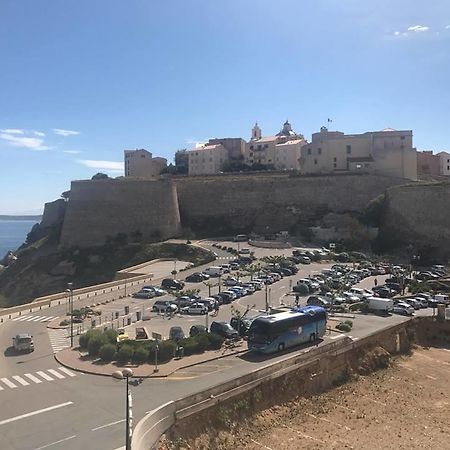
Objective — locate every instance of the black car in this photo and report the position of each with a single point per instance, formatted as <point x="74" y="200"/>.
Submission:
<point x="196" y="277"/>
<point x="226" y="298"/>
<point x="224" y="329"/>
<point x="169" y="283"/>
<point x="317" y="300"/>
<point x="197" y="329"/>
<point x="286" y="272"/>
<point x="241" y="325"/>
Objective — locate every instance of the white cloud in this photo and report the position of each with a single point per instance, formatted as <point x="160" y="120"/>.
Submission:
<point x="72" y="152"/>
<point x="447" y="27"/>
<point x="39" y="133"/>
<point x="32" y="143"/>
<point x="65" y="133"/>
<point x="418" y="28"/>
<point x="12" y="131"/>
<point x="114" y="166"/>
<point x="397" y="33"/>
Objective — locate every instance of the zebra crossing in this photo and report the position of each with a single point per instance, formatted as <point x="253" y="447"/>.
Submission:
<point x="29" y="318"/>
<point x="41" y="376"/>
<point x="59" y="339"/>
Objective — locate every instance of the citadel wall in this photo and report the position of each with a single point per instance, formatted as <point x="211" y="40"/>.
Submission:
<point x="100" y="208"/>
<point x="269" y="203"/>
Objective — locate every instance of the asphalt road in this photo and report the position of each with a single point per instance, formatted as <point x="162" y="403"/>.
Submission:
<point x="45" y="406"/>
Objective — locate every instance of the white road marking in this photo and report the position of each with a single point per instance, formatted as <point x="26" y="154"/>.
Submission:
<point x="1" y="388"/>
<point x="56" y="442"/>
<point x="44" y="376"/>
<point x="262" y="445"/>
<point x="34" y="413"/>
<point x="20" y="318"/>
<point x="33" y="378"/>
<point x="37" y="318"/>
<point x="108" y="425"/>
<point x="56" y="374"/>
<point x="304" y="435"/>
<point x="67" y="371"/>
<point x="21" y="380"/>
<point x="8" y="383"/>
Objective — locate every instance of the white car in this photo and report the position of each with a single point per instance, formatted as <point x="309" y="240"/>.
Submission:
<point x="231" y="281"/>
<point x="404" y="309"/>
<point x="195" y="308"/>
<point x="350" y="298"/>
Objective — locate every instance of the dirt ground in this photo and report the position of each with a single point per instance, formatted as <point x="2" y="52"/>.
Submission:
<point x="403" y="407"/>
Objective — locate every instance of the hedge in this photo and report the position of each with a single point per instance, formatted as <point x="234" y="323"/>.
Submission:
<point x="107" y="352"/>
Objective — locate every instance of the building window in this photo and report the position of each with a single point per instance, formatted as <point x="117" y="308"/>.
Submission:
<point x="315" y="161"/>
<point x="402" y="138"/>
<point x="334" y="165"/>
<point x="142" y="156"/>
<point x="259" y="147"/>
<point x="266" y="145"/>
<point x="319" y="151"/>
<point x="309" y="151"/>
<point x="251" y="147"/>
<point x="269" y="160"/>
<point x="334" y="159"/>
<point x="349" y="149"/>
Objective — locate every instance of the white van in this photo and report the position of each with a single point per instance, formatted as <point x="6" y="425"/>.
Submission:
<point x="214" y="271"/>
<point x="442" y="298"/>
<point x="381" y="305"/>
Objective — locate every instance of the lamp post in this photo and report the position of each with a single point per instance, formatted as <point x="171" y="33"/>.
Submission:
<point x="70" y="292"/>
<point x="267" y="299"/>
<point x="120" y="375"/>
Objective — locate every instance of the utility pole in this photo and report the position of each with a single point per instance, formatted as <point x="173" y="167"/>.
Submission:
<point x="267" y="299"/>
<point x="70" y="292"/>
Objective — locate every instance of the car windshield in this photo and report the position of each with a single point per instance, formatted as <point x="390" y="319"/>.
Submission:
<point x="24" y="340"/>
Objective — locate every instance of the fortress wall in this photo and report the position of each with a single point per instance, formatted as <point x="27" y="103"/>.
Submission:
<point x="53" y="213"/>
<point x="419" y="215"/>
<point x="101" y="208"/>
<point x="269" y="203"/>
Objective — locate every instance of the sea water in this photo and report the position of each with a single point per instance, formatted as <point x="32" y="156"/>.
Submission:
<point x="13" y="233"/>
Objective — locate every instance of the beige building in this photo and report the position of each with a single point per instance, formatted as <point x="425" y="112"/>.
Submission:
<point x="386" y="152"/>
<point x="281" y="151"/>
<point x="207" y="159"/>
<point x="444" y="163"/>
<point x="140" y="163"/>
<point x="428" y="163"/>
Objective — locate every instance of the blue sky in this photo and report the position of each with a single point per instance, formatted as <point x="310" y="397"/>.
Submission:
<point x="82" y="80"/>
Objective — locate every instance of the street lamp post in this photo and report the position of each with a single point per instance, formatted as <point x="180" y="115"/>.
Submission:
<point x="267" y="299"/>
<point x="120" y="375"/>
<point x="70" y="292"/>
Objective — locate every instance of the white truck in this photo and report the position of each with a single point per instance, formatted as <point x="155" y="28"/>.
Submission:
<point x="380" y="305"/>
<point x="214" y="271"/>
<point x="23" y="342"/>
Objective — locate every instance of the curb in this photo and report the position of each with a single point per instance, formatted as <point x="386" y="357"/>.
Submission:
<point x="153" y="375"/>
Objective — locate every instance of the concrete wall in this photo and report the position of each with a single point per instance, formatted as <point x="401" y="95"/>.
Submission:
<point x="101" y="208"/>
<point x="419" y="215"/>
<point x="271" y="203"/>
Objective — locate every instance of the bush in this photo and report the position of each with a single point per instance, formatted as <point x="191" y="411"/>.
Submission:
<point x="124" y="354"/>
<point x="107" y="352"/>
<point x="84" y="338"/>
<point x="301" y="289"/>
<point x="349" y="323"/>
<point x="190" y="346"/>
<point x="166" y="351"/>
<point x="140" y="355"/>
<point x="343" y="327"/>
<point x="215" y="341"/>
<point x="64" y="323"/>
<point x="111" y="335"/>
<point x="94" y="344"/>
<point x="202" y="342"/>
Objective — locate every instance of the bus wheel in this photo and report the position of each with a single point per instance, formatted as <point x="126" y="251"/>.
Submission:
<point x="281" y="347"/>
<point x="312" y="337"/>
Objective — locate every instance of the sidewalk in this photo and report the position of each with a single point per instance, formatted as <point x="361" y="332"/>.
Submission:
<point x="81" y="362"/>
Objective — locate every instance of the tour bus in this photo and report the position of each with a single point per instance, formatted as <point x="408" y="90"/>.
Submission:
<point x="268" y="334"/>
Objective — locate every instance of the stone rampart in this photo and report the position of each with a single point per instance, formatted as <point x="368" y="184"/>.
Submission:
<point x="268" y="203"/>
<point x="98" y="209"/>
<point x="53" y="213"/>
<point x="419" y="216"/>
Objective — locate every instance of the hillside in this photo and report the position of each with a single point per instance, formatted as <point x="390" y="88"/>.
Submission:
<point x="42" y="269"/>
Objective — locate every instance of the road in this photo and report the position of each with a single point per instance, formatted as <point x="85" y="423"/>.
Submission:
<point x="49" y="407"/>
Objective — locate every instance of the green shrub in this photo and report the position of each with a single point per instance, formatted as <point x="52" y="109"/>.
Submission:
<point x="301" y="289"/>
<point x="215" y="341"/>
<point x="140" y="355"/>
<point x="64" y="323"/>
<point x="349" y="323"/>
<point x="343" y="327"/>
<point x="107" y="352"/>
<point x="111" y="335"/>
<point x="166" y="350"/>
<point x="84" y="338"/>
<point x="125" y="354"/>
<point x="94" y="344"/>
<point x="202" y="342"/>
<point x="190" y="346"/>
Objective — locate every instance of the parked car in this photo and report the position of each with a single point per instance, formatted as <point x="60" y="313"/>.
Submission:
<point x="403" y="308"/>
<point x="195" y="308"/>
<point x="241" y="325"/>
<point x="144" y="293"/>
<point x="209" y="302"/>
<point x="317" y="300"/>
<point x="231" y="281"/>
<point x="171" y="284"/>
<point x="197" y="329"/>
<point x="176" y="334"/>
<point x="214" y="271"/>
<point x="156" y="290"/>
<point x="164" y="306"/>
<point x="224" y="329"/>
<point x="183" y="301"/>
<point x="416" y="304"/>
<point x="196" y="277"/>
<point x="226" y="297"/>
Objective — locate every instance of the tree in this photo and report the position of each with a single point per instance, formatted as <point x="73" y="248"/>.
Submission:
<point x="100" y="176"/>
<point x="65" y="195"/>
